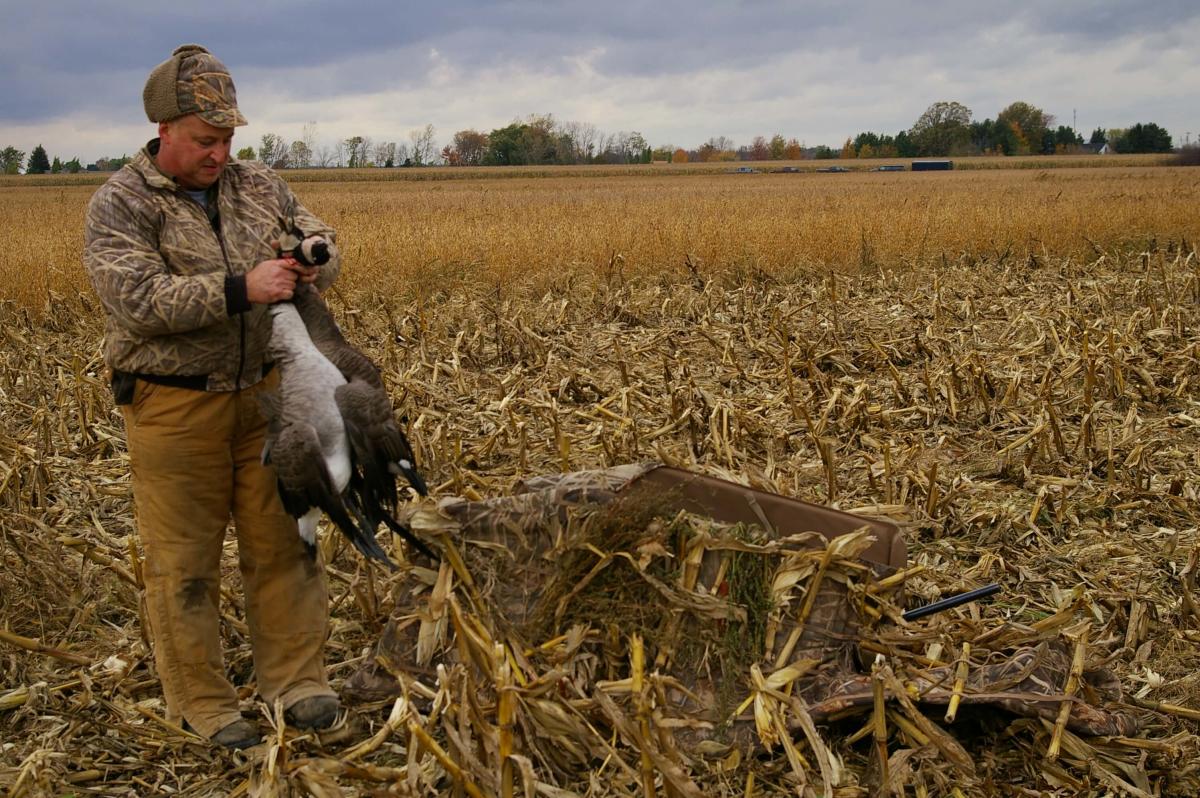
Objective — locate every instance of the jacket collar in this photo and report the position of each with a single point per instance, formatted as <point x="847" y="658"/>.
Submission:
<point x="143" y="164"/>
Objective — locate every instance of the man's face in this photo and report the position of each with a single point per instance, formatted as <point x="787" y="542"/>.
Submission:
<point x="193" y="151"/>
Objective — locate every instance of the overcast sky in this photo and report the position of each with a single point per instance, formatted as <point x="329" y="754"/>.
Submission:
<point x="71" y="71"/>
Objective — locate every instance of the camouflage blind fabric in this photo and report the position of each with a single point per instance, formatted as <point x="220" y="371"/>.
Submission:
<point x="514" y="548"/>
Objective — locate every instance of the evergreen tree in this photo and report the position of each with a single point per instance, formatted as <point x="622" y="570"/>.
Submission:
<point x="39" y="164"/>
<point x="1099" y="136"/>
<point x="905" y="146"/>
<point x="56" y="167"/>
<point x="1147" y="137"/>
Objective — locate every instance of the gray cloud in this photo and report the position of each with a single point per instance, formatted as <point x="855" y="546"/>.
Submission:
<point x="818" y="70"/>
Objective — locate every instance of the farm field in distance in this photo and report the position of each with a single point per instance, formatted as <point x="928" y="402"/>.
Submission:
<point x="1003" y="361"/>
<point x="404" y="236"/>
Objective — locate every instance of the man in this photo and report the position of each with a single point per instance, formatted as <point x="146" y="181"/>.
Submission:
<point x="181" y="246"/>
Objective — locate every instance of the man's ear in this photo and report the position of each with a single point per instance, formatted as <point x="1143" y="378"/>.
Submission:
<point x="164" y="129"/>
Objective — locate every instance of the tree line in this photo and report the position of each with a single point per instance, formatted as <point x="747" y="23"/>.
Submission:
<point x="946" y="128"/>
<point x="12" y="161"/>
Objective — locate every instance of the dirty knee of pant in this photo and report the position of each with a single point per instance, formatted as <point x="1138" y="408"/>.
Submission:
<point x="194" y="594"/>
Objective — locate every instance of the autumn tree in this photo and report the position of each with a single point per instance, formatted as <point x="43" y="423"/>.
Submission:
<point x="717" y="148"/>
<point x="1028" y="124"/>
<point x="469" y="147"/>
<point x="534" y="141"/>
<point x="300" y="154"/>
<point x="539" y="139"/>
<point x="679" y="156"/>
<point x="759" y="149"/>
<point x="776" y="148"/>
<point x="942" y="129"/>
<point x="793" y="150"/>
<point x="848" y="150"/>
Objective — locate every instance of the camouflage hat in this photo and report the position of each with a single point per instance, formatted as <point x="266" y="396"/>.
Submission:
<point x="192" y="81"/>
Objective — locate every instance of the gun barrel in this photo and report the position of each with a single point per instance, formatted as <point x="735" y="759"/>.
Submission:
<point x="951" y="601"/>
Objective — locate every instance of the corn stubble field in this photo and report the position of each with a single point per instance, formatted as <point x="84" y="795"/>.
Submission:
<point x="1002" y="362"/>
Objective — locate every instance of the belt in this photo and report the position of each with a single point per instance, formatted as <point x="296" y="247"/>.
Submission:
<point x="198" y="382"/>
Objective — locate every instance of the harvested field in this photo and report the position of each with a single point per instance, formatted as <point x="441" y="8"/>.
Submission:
<point x="1018" y="392"/>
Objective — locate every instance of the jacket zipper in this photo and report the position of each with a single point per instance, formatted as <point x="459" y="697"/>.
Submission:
<point x="237" y="382"/>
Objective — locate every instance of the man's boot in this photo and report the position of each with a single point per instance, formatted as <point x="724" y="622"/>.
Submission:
<point x="315" y="713"/>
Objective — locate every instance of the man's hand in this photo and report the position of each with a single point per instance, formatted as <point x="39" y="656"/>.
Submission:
<point x="275" y="280"/>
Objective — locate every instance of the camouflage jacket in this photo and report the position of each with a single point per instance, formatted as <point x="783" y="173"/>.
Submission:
<point x="174" y="288"/>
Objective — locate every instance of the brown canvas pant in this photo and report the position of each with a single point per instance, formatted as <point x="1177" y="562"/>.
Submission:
<point x="195" y="457"/>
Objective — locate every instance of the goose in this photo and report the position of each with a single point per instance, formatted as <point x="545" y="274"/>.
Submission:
<point x="378" y="443"/>
<point x="307" y="442"/>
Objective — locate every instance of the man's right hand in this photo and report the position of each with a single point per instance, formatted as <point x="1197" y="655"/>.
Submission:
<point x="275" y="280"/>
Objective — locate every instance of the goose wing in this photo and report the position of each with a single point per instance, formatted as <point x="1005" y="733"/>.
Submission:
<point x="379" y="443"/>
<point x="376" y="443"/>
<point x="304" y="482"/>
<point x="366" y="428"/>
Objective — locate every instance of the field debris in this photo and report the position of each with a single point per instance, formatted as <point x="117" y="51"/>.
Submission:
<point x="1030" y="422"/>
